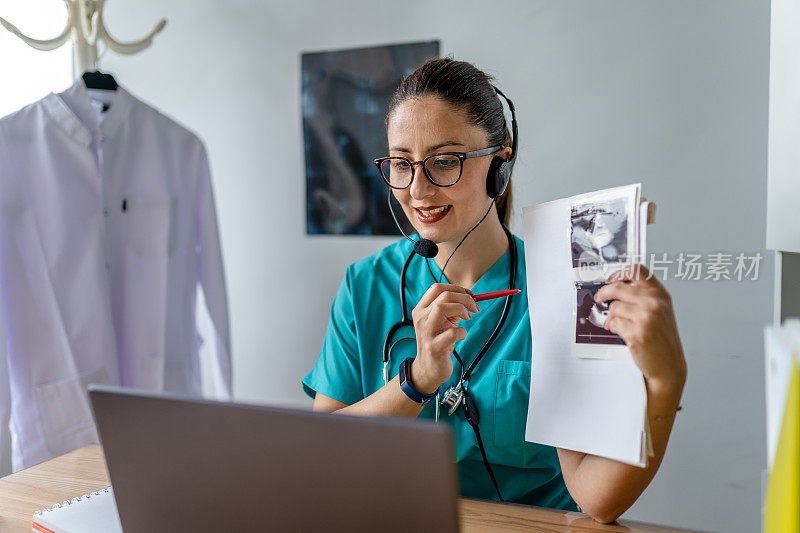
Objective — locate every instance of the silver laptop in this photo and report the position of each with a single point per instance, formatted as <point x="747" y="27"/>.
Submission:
<point x="179" y="464"/>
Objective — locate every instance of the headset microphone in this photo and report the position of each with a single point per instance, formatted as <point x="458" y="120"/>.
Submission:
<point x="424" y="247"/>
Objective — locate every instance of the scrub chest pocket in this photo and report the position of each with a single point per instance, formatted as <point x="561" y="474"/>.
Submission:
<point x="511" y="404"/>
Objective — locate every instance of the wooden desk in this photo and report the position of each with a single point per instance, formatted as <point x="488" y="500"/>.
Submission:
<point x="84" y="470"/>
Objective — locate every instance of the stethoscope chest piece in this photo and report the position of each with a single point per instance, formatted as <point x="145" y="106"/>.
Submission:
<point x="453" y="397"/>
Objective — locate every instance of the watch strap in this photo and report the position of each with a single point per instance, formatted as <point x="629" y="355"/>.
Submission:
<point x="408" y="387"/>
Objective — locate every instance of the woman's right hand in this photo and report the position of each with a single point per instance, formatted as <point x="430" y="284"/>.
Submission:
<point x="436" y="319"/>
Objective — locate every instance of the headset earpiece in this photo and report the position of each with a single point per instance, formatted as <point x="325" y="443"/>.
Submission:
<point x="500" y="170"/>
<point x="498" y="177"/>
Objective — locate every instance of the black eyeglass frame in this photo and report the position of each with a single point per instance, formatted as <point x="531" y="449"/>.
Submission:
<point x="462" y="156"/>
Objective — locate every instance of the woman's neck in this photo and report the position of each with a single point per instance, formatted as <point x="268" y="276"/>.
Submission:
<point x="476" y="255"/>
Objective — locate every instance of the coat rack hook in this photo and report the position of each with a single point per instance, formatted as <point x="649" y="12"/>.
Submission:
<point x="45" y="45"/>
<point x="86" y="27"/>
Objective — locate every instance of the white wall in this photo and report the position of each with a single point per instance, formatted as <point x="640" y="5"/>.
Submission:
<point x="27" y="75"/>
<point x="673" y="94"/>
<point x="783" y="185"/>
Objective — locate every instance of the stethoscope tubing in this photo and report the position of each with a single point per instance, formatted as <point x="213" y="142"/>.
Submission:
<point x="406" y="320"/>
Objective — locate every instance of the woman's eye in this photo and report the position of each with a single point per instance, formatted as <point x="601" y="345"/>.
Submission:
<point x="400" y="165"/>
<point x="446" y="162"/>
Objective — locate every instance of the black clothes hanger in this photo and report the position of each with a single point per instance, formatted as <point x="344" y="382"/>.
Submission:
<point x="99" y="80"/>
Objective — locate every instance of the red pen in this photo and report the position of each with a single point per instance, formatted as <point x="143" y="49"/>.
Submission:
<point x="496" y="294"/>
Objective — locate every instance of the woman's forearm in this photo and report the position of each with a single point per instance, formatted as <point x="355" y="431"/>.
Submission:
<point x="389" y="400"/>
<point x="605" y="488"/>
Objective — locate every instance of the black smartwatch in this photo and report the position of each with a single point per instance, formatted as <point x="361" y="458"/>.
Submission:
<point x="408" y="388"/>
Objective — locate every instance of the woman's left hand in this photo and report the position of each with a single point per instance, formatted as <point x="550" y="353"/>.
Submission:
<point x="641" y="313"/>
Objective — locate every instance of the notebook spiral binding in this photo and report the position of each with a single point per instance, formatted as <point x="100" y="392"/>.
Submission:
<point x="66" y="503"/>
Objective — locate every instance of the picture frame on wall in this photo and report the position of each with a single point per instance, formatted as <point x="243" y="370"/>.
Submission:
<point x="345" y="98"/>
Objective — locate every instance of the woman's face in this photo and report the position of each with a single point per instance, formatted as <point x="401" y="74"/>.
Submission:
<point x="419" y="127"/>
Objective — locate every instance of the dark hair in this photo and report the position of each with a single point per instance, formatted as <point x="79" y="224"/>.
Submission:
<point x="466" y="87"/>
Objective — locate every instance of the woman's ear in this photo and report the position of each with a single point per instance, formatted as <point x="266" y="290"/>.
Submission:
<point x="505" y="153"/>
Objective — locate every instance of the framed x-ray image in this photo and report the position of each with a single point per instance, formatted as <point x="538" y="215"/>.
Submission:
<point x="345" y="98"/>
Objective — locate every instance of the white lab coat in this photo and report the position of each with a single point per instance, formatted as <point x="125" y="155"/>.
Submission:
<point x="106" y="229"/>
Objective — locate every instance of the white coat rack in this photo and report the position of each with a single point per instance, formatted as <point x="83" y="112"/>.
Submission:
<point x="86" y="28"/>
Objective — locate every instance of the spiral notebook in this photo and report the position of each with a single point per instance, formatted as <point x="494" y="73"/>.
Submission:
<point x="91" y="513"/>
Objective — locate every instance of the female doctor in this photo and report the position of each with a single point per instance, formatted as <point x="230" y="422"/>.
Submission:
<point x="447" y="137"/>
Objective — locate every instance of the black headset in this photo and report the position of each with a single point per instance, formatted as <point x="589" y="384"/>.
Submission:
<point x="500" y="170"/>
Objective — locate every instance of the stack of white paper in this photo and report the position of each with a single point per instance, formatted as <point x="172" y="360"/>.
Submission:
<point x="587" y="394"/>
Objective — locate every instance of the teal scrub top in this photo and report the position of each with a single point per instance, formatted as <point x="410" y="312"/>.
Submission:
<point x="350" y="368"/>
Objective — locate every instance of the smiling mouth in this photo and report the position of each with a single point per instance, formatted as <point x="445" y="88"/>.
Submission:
<point x="429" y="215"/>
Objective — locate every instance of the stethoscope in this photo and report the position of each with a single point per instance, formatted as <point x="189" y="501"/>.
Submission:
<point x="454" y="396"/>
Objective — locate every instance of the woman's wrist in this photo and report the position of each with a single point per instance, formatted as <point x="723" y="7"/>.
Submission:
<point x="664" y="396"/>
<point x="420" y="379"/>
<point x="667" y="386"/>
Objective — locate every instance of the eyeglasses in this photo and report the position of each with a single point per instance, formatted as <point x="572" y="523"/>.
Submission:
<point x="443" y="170"/>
